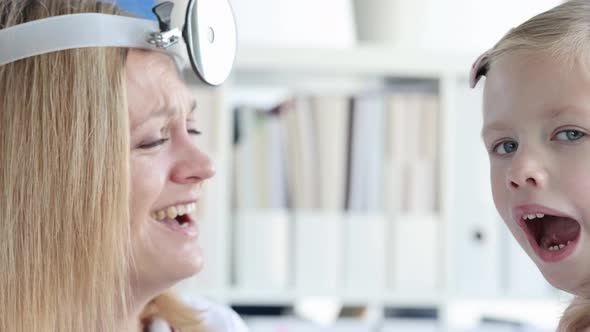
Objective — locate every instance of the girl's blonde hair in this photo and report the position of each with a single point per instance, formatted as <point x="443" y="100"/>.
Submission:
<point x="64" y="186"/>
<point x="564" y="33"/>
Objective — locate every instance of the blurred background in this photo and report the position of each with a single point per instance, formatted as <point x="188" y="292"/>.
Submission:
<point x="352" y="189"/>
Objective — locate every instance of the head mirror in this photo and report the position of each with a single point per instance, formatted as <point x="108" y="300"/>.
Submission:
<point x="210" y="35"/>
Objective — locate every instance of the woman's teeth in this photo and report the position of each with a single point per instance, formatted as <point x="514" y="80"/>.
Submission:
<point x="172" y="212"/>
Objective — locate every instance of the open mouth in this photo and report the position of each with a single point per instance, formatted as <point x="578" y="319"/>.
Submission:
<point x="553" y="237"/>
<point x="178" y="222"/>
<point x="183" y="220"/>
<point x="177" y="217"/>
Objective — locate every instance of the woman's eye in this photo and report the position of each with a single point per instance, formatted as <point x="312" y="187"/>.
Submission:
<point x="153" y="144"/>
<point x="505" y="147"/>
<point x="194" y="132"/>
<point x="569" y="135"/>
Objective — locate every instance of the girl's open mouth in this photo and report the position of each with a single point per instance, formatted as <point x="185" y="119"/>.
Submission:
<point x="553" y="237"/>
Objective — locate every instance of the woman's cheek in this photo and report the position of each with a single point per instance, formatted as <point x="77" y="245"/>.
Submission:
<point x="147" y="184"/>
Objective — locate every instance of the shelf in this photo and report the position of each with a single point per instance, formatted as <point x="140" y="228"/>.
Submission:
<point x="365" y="60"/>
<point x="347" y="298"/>
<point x="243" y="257"/>
<point x="387" y="299"/>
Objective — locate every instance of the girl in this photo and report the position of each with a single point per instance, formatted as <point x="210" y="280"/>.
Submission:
<point x="536" y="129"/>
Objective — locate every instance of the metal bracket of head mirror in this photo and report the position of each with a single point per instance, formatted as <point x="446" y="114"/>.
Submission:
<point x="167" y="36"/>
<point x="209" y="35"/>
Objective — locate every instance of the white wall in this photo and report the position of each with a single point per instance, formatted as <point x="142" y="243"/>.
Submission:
<point x="462" y="25"/>
<point x="473" y="24"/>
<point x="318" y="23"/>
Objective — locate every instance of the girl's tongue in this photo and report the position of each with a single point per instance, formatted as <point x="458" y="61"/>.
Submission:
<point x="551" y="231"/>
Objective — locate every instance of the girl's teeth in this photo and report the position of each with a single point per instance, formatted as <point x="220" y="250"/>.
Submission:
<point x="533" y="216"/>
<point x="558" y="247"/>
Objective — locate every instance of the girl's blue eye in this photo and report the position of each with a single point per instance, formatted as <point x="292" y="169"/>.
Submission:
<point x="505" y="147"/>
<point x="569" y="135"/>
<point x="153" y="144"/>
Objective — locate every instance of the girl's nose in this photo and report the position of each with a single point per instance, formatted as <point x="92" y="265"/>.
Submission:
<point x="526" y="170"/>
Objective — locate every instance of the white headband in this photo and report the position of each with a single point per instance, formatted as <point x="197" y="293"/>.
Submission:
<point x="91" y="30"/>
<point x="212" y="59"/>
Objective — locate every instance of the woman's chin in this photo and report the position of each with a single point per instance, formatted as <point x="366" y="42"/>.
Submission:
<point x="175" y="251"/>
<point x="186" y="263"/>
<point x="192" y="267"/>
<point x="164" y="255"/>
<point x="164" y="275"/>
<point x="161" y="267"/>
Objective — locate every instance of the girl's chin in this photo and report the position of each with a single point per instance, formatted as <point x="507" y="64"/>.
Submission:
<point x="577" y="289"/>
<point x="572" y="281"/>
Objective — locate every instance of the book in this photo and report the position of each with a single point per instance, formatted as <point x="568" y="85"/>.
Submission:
<point x="330" y="124"/>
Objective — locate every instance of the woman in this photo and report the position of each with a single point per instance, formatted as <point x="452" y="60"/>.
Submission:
<point x="99" y="176"/>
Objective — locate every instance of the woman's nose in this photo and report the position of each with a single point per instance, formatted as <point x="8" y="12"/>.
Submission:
<point x="192" y="165"/>
<point x="526" y="170"/>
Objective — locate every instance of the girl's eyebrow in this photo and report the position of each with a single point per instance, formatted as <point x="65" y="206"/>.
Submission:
<point x="494" y="126"/>
<point x="555" y="113"/>
<point x="552" y="114"/>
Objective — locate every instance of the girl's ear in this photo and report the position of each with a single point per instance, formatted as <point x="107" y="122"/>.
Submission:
<point x="479" y="68"/>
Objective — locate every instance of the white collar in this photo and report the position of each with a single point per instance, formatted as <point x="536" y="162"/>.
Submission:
<point x="159" y="325"/>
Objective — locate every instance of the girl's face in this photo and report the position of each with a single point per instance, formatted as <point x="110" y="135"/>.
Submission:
<point x="536" y="129"/>
<point x="167" y="172"/>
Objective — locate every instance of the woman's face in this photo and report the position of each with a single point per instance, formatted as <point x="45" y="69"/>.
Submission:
<point x="167" y="172"/>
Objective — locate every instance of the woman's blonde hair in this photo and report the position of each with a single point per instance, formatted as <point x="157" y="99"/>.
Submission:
<point x="64" y="186"/>
<point x="564" y="33"/>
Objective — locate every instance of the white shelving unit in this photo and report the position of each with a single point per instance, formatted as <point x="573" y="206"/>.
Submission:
<point x="282" y="71"/>
<point x="365" y="60"/>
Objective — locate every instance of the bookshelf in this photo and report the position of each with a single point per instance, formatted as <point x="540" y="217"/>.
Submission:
<point x="369" y="60"/>
<point x="238" y="245"/>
